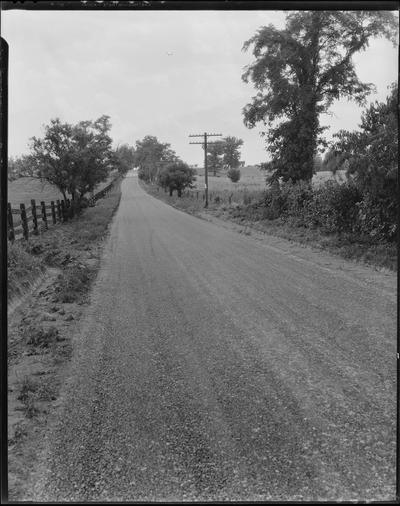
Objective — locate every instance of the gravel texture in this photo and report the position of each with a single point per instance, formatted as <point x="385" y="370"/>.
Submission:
<point x="211" y="366"/>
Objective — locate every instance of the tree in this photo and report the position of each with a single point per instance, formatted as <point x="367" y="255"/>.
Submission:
<point x="298" y="73"/>
<point x="231" y="152"/>
<point x="372" y="152"/>
<point x="176" y="176"/>
<point x="151" y="156"/>
<point x="18" y="167"/>
<point x="74" y="158"/>
<point x="215" y="153"/>
<point x="233" y="174"/>
<point x="124" y="158"/>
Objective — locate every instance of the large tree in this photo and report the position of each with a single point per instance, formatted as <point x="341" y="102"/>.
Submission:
<point x="177" y="176"/>
<point x="74" y="158"/>
<point x="151" y="156"/>
<point x="299" y="71"/>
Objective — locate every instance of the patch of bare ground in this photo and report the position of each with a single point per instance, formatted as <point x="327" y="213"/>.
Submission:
<point x="49" y="289"/>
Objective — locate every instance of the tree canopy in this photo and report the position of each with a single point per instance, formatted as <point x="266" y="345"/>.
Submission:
<point x="124" y="158"/>
<point x="371" y="153"/>
<point x="176" y="176"/>
<point x="215" y="156"/>
<point x="232" y="151"/>
<point x="74" y="158"/>
<point x="224" y="153"/>
<point x="298" y="72"/>
<point x="151" y="156"/>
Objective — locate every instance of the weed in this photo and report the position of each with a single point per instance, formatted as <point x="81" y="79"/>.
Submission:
<point x="20" y="432"/>
<point x="40" y="337"/>
<point x="74" y="284"/>
<point x="28" y="395"/>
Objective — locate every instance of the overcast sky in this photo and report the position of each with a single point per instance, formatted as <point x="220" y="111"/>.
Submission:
<point x="81" y="65"/>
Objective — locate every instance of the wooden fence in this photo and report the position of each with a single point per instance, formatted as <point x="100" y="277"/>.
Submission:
<point x="36" y="218"/>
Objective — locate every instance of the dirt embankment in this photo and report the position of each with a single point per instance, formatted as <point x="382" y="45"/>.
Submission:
<point x="49" y="288"/>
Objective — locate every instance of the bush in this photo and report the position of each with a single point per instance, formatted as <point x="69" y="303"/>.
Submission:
<point x="377" y="217"/>
<point x="233" y="174"/>
<point x="333" y="207"/>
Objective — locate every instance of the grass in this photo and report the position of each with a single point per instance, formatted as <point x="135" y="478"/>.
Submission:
<point x="22" y="268"/>
<point x="41" y="337"/>
<point x="73" y="283"/>
<point x="56" y="247"/>
<point x="28" y="393"/>
<point x="24" y="189"/>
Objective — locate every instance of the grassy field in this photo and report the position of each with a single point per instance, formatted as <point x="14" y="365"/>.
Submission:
<point x="252" y="179"/>
<point x="22" y="190"/>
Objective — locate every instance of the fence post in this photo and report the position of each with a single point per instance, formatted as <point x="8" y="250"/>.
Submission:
<point x="34" y="216"/>
<point x="63" y="211"/>
<point x="44" y="215"/>
<point x="59" y="210"/>
<point x="53" y="212"/>
<point x="11" y="234"/>
<point x="24" y="221"/>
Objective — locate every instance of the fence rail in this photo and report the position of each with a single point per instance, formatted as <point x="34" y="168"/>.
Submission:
<point x="42" y="214"/>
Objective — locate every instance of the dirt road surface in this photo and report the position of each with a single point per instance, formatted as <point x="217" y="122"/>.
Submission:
<point x="212" y="366"/>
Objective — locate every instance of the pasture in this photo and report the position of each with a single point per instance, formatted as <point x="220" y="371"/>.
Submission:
<point x="22" y="190"/>
<point x="253" y="178"/>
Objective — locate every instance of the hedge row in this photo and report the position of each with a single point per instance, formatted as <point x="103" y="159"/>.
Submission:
<point x="333" y="207"/>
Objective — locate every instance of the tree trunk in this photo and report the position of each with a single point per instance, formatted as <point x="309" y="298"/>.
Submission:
<point x="170" y="192"/>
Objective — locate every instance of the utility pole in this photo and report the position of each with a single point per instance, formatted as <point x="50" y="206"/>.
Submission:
<point x="205" y="144"/>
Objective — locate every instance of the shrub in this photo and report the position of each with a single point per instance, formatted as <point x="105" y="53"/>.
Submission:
<point x="333" y="207"/>
<point x="377" y="217"/>
<point x="233" y="174"/>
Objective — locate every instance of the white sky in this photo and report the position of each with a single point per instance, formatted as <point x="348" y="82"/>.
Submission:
<point x="78" y="65"/>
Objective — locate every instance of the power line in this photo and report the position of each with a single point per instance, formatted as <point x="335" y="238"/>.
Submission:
<point x="205" y="144"/>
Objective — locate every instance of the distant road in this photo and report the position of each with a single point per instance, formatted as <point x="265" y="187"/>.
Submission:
<point x="214" y="367"/>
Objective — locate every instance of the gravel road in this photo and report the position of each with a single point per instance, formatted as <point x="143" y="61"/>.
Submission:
<point x="212" y="366"/>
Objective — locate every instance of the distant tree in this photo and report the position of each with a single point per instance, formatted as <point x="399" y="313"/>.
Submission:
<point x="18" y="167"/>
<point x="176" y="176"/>
<point x="299" y="71"/>
<point x="74" y="158"/>
<point x="231" y="152"/>
<point x="124" y="158"/>
<point x="215" y="154"/>
<point x="151" y="156"/>
<point x="233" y="174"/>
